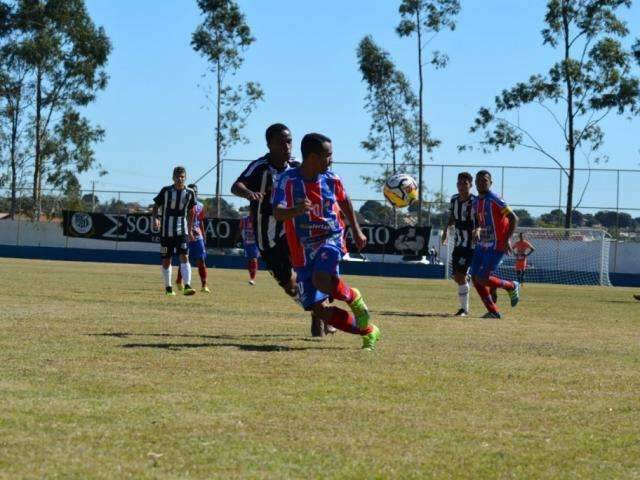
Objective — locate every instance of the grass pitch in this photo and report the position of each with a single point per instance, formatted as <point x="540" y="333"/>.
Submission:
<point x="102" y="376"/>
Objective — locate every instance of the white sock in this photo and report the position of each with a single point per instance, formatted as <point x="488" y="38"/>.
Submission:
<point x="463" y="296"/>
<point x="185" y="269"/>
<point x="166" y="275"/>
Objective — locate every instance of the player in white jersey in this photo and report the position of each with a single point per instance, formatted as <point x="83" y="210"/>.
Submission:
<point x="461" y="216"/>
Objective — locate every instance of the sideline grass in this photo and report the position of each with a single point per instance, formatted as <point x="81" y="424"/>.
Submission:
<point x="104" y="377"/>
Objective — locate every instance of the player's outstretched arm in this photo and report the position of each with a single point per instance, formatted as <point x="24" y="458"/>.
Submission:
<point x="239" y="189"/>
<point x="347" y="208"/>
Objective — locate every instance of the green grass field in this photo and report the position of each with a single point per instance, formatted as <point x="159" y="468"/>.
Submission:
<point x="102" y="376"/>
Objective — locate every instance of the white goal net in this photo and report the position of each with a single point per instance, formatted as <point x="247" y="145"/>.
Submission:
<point x="576" y="256"/>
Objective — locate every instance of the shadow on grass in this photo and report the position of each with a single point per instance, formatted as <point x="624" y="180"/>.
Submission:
<point x="622" y="301"/>
<point x="386" y="313"/>
<point x="241" y="346"/>
<point x="285" y="338"/>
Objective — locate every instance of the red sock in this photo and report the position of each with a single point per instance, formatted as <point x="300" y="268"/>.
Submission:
<point x="341" y="291"/>
<point x="343" y="320"/>
<point x="496" y="282"/>
<point x="253" y="268"/>
<point x="179" y="278"/>
<point x="202" y="271"/>
<point x="485" y="296"/>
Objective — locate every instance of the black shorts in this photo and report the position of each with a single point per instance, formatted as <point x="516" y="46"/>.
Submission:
<point x="461" y="259"/>
<point x="277" y="261"/>
<point x="168" y="245"/>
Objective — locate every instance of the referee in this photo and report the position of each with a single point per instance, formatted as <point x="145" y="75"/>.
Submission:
<point x="175" y="224"/>
<point x="256" y="184"/>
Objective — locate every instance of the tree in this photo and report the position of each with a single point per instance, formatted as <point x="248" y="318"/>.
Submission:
<point x="66" y="55"/>
<point x="16" y="92"/>
<point x="227" y="210"/>
<point x="424" y="17"/>
<point x="613" y="220"/>
<point x="524" y="218"/>
<point x="392" y="105"/>
<point x="376" y="212"/>
<point x="591" y="79"/>
<point x="554" y="218"/>
<point x="221" y="38"/>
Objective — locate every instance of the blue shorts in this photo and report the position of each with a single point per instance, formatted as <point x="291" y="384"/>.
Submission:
<point x="485" y="262"/>
<point x="251" y="251"/>
<point x="197" y="250"/>
<point x="326" y="259"/>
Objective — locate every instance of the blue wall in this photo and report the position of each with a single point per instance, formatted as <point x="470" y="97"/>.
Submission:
<point x="406" y="270"/>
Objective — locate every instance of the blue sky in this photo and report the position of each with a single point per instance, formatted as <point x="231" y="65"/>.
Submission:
<point x="156" y="113"/>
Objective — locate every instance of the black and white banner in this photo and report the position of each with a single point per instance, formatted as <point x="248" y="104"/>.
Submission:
<point x="225" y="232"/>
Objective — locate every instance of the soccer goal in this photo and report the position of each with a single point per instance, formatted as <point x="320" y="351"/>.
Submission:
<point x="576" y="256"/>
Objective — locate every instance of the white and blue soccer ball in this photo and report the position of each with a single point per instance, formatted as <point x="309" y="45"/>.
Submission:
<point x="401" y="190"/>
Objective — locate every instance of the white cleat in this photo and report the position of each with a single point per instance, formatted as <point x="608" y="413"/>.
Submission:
<point x="251" y="282"/>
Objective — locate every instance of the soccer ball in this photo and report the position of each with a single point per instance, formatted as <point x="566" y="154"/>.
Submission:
<point x="401" y="190"/>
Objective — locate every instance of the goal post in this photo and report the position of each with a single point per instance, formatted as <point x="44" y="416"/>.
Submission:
<point x="576" y="256"/>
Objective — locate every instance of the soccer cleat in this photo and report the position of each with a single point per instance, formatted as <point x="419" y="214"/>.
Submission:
<point x="205" y="289"/>
<point x="461" y="313"/>
<point x="492" y="315"/>
<point x="637" y="297"/>
<point x="514" y="294"/>
<point x="188" y="290"/>
<point x="180" y="286"/>
<point x="329" y="329"/>
<point x="251" y="282"/>
<point x="359" y="309"/>
<point x="168" y="291"/>
<point x="370" y="339"/>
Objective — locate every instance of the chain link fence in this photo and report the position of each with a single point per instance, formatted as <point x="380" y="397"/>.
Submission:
<point x="607" y="198"/>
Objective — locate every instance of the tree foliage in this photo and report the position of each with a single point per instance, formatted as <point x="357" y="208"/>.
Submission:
<point x="54" y="53"/>
<point x="221" y="39"/>
<point x="392" y="106"/>
<point x="591" y="79"/>
<point x="426" y="17"/>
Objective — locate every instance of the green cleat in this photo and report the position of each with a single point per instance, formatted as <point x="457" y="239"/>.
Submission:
<point x="180" y="286"/>
<point x="370" y="339"/>
<point x="188" y="290"/>
<point x="168" y="291"/>
<point x="514" y="294"/>
<point x="205" y="289"/>
<point x="359" y="309"/>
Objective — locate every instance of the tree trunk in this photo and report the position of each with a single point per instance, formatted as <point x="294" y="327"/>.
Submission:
<point x="420" y="124"/>
<point x="37" y="168"/>
<point x="15" y="117"/>
<point x="571" y="143"/>
<point x="218" y="140"/>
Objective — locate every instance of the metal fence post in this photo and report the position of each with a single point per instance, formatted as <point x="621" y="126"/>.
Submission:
<point x="617" y="238"/>
<point x="502" y="184"/>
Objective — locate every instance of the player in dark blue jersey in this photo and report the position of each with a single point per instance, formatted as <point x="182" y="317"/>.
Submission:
<point x="308" y="199"/>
